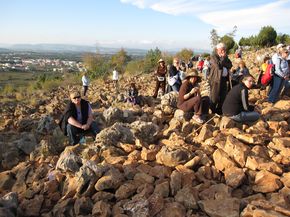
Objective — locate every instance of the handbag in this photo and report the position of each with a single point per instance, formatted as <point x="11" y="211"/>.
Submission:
<point x="160" y="78"/>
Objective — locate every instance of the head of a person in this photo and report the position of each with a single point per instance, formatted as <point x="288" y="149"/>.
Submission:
<point x="192" y="76"/>
<point x="242" y="64"/>
<point x="280" y="47"/>
<point x="161" y="62"/>
<point x="248" y="81"/>
<point x="84" y="73"/>
<point x="132" y="85"/>
<point x="284" y="53"/>
<point x="75" y="97"/>
<point x="175" y="61"/>
<point x="221" y="49"/>
<point x="266" y="59"/>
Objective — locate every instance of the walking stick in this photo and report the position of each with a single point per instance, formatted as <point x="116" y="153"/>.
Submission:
<point x="215" y="115"/>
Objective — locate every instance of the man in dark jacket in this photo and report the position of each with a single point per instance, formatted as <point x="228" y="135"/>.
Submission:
<point x="218" y="77"/>
<point x="77" y="119"/>
<point x="236" y="104"/>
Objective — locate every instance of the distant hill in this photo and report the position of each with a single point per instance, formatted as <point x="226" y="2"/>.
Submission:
<point x="70" y="48"/>
<point x="65" y="48"/>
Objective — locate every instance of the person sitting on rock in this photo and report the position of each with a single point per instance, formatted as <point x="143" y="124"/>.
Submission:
<point x="236" y="104"/>
<point x="77" y="119"/>
<point x="238" y="74"/>
<point x="190" y="99"/>
<point x="160" y="77"/>
<point x="133" y="95"/>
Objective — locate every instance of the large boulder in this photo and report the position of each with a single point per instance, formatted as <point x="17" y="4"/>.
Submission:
<point x="169" y="102"/>
<point x="113" y="115"/>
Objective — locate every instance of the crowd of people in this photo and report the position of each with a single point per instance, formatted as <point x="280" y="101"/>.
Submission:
<point x="228" y="95"/>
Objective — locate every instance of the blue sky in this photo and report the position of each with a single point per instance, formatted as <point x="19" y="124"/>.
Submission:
<point x="168" y="24"/>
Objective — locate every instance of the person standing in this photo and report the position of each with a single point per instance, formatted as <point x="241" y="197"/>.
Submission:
<point x="281" y="75"/>
<point x="236" y="105"/>
<point x="115" y="78"/>
<point x="218" y="77"/>
<point x="174" y="80"/>
<point x="86" y="82"/>
<point x="160" y="77"/>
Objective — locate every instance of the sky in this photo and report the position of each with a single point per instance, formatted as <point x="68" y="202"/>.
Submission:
<point x="145" y="24"/>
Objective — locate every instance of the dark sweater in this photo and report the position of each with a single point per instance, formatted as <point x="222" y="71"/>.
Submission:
<point x="71" y="111"/>
<point x="237" y="101"/>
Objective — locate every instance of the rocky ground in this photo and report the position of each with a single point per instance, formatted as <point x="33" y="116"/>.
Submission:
<point x="147" y="161"/>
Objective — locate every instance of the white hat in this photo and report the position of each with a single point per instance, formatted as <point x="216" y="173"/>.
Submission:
<point x="280" y="46"/>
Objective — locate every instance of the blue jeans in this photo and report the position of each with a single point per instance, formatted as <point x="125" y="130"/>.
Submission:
<point x="75" y="134"/>
<point x="245" y="117"/>
<point x="276" y="88"/>
<point x="175" y="87"/>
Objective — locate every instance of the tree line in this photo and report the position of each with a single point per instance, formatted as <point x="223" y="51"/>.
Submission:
<point x="267" y="37"/>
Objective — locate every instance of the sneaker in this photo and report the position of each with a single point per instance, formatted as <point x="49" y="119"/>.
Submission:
<point x="197" y="119"/>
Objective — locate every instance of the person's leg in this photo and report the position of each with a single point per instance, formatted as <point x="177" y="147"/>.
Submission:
<point x="249" y="116"/>
<point x="94" y="129"/>
<point x="197" y="105"/>
<point x="223" y="94"/>
<point x="175" y="88"/>
<point x="73" y="134"/>
<point x="286" y="88"/>
<point x="85" y="90"/>
<point x="276" y="88"/>
<point x="156" y="88"/>
<point x="163" y="84"/>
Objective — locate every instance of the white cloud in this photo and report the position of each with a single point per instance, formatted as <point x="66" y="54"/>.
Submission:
<point x="249" y="16"/>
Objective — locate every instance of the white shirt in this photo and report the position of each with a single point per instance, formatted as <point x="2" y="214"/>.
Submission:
<point x="115" y="75"/>
<point x="85" y="80"/>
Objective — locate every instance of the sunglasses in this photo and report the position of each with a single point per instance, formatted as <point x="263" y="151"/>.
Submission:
<point x="76" y="97"/>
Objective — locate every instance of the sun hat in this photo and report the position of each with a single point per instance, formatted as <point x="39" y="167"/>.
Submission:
<point x="161" y="60"/>
<point x="74" y="93"/>
<point x="192" y="73"/>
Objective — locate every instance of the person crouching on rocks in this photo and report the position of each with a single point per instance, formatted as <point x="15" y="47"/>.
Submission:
<point x="160" y="77"/>
<point x="133" y="95"/>
<point x="77" y="119"/>
<point x="236" y="105"/>
<point x="190" y="99"/>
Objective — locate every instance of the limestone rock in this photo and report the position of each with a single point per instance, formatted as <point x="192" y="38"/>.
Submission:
<point x="173" y="209"/>
<point x="172" y="157"/>
<point x="219" y="208"/>
<point x="187" y="196"/>
<point x="111" y="180"/>
<point x="101" y="209"/>
<point x="234" y="176"/>
<point x="68" y="161"/>
<point x="222" y="160"/>
<point x="266" y="182"/>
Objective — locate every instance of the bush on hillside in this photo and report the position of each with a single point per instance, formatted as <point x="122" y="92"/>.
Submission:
<point x="266" y="37"/>
<point x="185" y="54"/>
<point x="151" y="59"/>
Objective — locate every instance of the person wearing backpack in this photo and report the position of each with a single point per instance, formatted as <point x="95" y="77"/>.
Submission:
<point x="280" y="76"/>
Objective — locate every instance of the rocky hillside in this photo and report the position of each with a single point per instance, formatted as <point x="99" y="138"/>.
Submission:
<point x="147" y="161"/>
